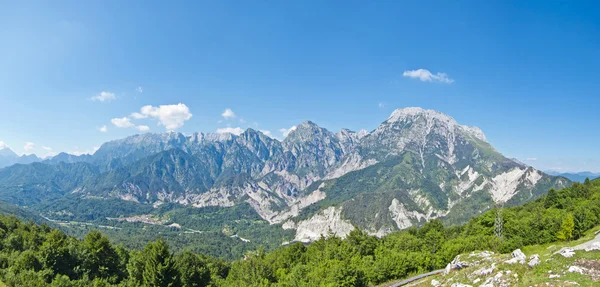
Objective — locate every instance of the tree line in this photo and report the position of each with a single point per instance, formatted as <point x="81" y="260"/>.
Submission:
<point x="37" y="255"/>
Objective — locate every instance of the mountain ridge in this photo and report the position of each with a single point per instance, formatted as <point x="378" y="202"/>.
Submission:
<point x="420" y="164"/>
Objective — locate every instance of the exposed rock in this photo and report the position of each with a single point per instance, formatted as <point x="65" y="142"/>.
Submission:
<point x="534" y="260"/>
<point x="593" y="246"/>
<point x="402" y="216"/>
<point x="435" y="283"/>
<point x="567" y="252"/>
<point x="485" y="271"/>
<point x="517" y="257"/>
<point x="460" y="285"/>
<point x="322" y="223"/>
<point x="576" y="269"/>
<point x="456" y="264"/>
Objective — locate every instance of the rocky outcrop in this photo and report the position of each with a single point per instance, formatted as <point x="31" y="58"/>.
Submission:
<point x="424" y="162"/>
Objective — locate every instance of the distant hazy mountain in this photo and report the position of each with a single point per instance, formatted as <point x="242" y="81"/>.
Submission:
<point x="576" y="176"/>
<point x="8" y="157"/>
<point x="416" y="166"/>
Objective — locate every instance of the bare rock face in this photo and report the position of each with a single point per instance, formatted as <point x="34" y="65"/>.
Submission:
<point x="456" y="264"/>
<point x="534" y="260"/>
<point x="517" y="257"/>
<point x="423" y="162"/>
<point x="593" y="246"/>
<point x="567" y="252"/>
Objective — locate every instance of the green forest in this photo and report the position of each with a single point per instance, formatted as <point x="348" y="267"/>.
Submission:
<point x="37" y="255"/>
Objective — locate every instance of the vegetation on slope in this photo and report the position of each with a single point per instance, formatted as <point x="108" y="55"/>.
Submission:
<point x="33" y="255"/>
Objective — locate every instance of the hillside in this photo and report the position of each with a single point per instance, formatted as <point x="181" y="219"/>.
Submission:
<point x="416" y="166"/>
<point x="574" y="263"/>
<point x="35" y="255"/>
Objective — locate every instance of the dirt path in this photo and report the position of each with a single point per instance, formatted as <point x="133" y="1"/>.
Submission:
<point x="418" y="277"/>
<point x="588" y="244"/>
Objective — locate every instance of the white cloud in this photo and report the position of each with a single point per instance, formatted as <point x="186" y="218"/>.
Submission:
<point x="139" y="90"/>
<point x="138" y="116"/>
<point x="426" y="76"/>
<point x="104" y="96"/>
<point x="29" y="146"/>
<point x="228" y="114"/>
<point x="3" y="145"/>
<point x="170" y="116"/>
<point x="267" y="133"/>
<point x="103" y="129"/>
<point x="122" y="122"/>
<point x="242" y="121"/>
<point x="142" y="128"/>
<point x="236" y="131"/>
<point x="125" y="123"/>
<point x="286" y="132"/>
<point x="531" y="158"/>
<point x="77" y="151"/>
<point x="49" y="152"/>
<point x="381" y="105"/>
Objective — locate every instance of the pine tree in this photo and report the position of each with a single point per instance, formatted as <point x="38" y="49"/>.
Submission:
<point x="193" y="271"/>
<point x="101" y="259"/>
<point x="551" y="198"/>
<point x="159" y="266"/>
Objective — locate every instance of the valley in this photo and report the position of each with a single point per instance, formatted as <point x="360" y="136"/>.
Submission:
<point x="416" y="166"/>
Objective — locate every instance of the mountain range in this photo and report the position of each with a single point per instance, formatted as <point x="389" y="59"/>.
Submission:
<point x="9" y="157"/>
<point x="415" y="166"/>
<point x="576" y="176"/>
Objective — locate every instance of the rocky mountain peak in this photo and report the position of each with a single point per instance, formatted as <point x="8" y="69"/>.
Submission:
<point x="307" y="131"/>
<point x="414" y="113"/>
<point x="432" y="119"/>
<point x="7" y="152"/>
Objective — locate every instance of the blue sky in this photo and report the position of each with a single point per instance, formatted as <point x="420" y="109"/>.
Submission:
<point x="525" y="72"/>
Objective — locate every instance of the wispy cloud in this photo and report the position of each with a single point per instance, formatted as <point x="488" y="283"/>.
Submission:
<point x="285" y="132"/>
<point x="426" y="76"/>
<point x="103" y="129"/>
<point x="77" y="151"/>
<point x="236" y="131"/>
<point x="381" y="105"/>
<point x="125" y="123"/>
<point x="531" y="159"/>
<point x="104" y="97"/>
<point x="139" y="90"/>
<point x="29" y="146"/>
<point x="122" y="122"/>
<point x="267" y="133"/>
<point x="49" y="152"/>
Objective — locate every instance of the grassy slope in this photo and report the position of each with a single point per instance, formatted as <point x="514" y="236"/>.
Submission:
<point x="526" y="276"/>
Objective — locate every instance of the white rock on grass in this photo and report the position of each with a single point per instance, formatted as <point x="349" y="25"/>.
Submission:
<point x="460" y="285"/>
<point x="456" y="264"/>
<point x="517" y="257"/>
<point x="435" y="283"/>
<point x="534" y="260"/>
<point x="552" y="276"/>
<point x="576" y="269"/>
<point x="485" y="271"/>
<point x="567" y="252"/>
